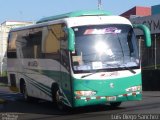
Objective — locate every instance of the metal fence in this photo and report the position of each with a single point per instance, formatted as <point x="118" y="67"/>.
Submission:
<point x="150" y="57"/>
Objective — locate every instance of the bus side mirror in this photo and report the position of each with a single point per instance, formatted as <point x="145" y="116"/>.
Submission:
<point x="71" y="39"/>
<point x="146" y="32"/>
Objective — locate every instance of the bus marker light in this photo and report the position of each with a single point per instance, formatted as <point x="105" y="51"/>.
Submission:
<point x="78" y="97"/>
<point x="98" y="97"/>
<point x="133" y="89"/>
<point x="134" y="94"/>
<point x="88" y="98"/>
<point x="112" y="98"/>
<point x="125" y="95"/>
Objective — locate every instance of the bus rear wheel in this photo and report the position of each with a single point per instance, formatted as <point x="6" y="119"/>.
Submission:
<point x="115" y="104"/>
<point x="24" y="92"/>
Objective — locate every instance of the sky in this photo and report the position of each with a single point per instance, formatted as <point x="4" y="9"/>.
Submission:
<point x="33" y="10"/>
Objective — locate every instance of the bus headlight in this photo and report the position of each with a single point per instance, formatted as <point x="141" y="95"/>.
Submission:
<point x="85" y="93"/>
<point x="134" y="88"/>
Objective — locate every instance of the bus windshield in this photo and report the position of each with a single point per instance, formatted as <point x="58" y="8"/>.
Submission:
<point x="104" y="47"/>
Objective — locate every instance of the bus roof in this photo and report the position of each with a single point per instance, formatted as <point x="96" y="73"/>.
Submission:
<point x="75" y="14"/>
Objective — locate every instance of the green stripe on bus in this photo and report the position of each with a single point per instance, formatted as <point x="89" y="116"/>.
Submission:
<point x="40" y="86"/>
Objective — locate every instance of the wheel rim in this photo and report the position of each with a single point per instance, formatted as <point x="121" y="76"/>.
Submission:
<point x="57" y="97"/>
<point x="58" y="100"/>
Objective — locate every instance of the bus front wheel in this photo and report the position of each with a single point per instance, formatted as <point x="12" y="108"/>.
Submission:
<point x="59" y="103"/>
<point x="57" y="98"/>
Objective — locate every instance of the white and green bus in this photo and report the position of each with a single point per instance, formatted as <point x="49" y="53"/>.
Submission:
<point x="77" y="59"/>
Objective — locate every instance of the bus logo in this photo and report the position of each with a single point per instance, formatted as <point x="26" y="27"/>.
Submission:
<point x="32" y="63"/>
<point x="111" y="85"/>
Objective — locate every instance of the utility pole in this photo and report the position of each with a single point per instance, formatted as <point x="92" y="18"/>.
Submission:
<point x="99" y="4"/>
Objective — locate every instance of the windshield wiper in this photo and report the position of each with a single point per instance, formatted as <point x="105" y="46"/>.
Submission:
<point x="83" y="76"/>
<point x="125" y="67"/>
<point x="131" y="70"/>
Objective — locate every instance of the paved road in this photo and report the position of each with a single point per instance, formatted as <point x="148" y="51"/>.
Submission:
<point x="17" y="109"/>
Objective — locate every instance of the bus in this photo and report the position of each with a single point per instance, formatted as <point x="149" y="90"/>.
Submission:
<point x="77" y="59"/>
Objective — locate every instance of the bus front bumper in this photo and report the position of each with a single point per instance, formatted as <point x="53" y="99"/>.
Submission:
<point x="95" y="100"/>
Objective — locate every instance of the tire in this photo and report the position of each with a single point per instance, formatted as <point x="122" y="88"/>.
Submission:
<point x="59" y="103"/>
<point x="24" y="92"/>
<point x="115" y="104"/>
<point x="56" y="98"/>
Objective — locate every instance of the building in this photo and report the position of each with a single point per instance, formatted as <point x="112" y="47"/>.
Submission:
<point x="155" y="9"/>
<point x="150" y="57"/>
<point x="4" y="30"/>
<point x="137" y="11"/>
<point x="149" y="16"/>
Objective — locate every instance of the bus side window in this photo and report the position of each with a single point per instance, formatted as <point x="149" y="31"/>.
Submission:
<point x="32" y="46"/>
<point x="37" y="38"/>
<point x="51" y="41"/>
<point x="11" y="52"/>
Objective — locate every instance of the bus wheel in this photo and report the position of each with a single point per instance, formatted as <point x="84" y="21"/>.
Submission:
<point x="115" y="104"/>
<point x="24" y="92"/>
<point x="59" y="103"/>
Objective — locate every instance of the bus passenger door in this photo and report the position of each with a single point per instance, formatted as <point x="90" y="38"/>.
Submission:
<point x="65" y="76"/>
<point x="65" y="70"/>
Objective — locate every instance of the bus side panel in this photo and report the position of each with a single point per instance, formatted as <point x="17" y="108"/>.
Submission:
<point x="40" y="78"/>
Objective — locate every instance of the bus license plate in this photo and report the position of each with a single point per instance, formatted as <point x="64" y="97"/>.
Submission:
<point x="112" y="98"/>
